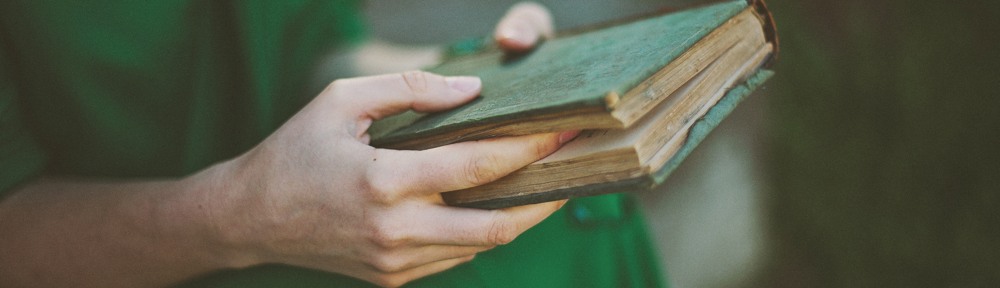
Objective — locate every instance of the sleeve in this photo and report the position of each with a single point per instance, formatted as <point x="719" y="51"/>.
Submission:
<point x="20" y="156"/>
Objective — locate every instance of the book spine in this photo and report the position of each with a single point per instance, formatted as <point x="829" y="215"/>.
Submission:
<point x="770" y="29"/>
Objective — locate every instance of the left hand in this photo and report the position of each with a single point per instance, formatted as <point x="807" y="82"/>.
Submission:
<point x="523" y="27"/>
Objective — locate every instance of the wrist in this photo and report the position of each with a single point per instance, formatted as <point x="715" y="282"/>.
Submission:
<point x="216" y="209"/>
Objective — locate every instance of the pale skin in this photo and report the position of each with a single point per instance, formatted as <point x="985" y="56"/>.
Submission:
<point x="313" y="194"/>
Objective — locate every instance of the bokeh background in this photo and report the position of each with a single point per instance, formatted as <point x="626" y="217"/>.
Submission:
<point x="884" y="144"/>
<point x="872" y="158"/>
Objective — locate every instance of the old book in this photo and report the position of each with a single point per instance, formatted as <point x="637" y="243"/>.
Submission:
<point x="638" y="89"/>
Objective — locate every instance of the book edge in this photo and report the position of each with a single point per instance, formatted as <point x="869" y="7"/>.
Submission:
<point x="701" y="128"/>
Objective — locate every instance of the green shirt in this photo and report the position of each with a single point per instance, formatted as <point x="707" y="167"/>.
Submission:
<point x="128" y="89"/>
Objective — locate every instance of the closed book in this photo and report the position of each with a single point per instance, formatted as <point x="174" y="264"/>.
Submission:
<point x="645" y="92"/>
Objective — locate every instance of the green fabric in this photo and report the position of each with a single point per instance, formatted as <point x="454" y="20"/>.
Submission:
<point x="127" y="89"/>
<point x="163" y="88"/>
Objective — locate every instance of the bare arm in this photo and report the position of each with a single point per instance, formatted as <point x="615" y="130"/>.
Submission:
<point x="313" y="194"/>
<point x="114" y="234"/>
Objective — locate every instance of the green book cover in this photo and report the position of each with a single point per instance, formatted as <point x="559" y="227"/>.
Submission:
<point x="572" y="73"/>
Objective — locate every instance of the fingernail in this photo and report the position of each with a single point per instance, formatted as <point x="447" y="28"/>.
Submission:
<point x="567" y="136"/>
<point x="507" y="33"/>
<point x="464" y="84"/>
<point x="518" y="34"/>
<point x="526" y="35"/>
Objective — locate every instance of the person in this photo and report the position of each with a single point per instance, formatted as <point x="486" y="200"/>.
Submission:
<point x="149" y="144"/>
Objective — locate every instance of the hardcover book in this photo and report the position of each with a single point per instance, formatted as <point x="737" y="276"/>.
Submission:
<point x="645" y="92"/>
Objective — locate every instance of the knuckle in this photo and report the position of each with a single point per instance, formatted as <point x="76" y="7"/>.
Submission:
<point x="416" y="82"/>
<point x="382" y="191"/>
<point x="380" y="187"/>
<point x="501" y="232"/>
<point x="482" y="169"/>
<point x="386" y="238"/>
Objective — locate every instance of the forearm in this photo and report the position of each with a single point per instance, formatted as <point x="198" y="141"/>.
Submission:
<point x="63" y="233"/>
<point x="313" y="194"/>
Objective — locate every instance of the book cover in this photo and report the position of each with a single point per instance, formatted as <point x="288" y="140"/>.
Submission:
<point x="569" y="83"/>
<point x="675" y="76"/>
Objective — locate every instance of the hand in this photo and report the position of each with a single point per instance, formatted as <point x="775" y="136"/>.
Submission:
<point x="524" y="25"/>
<point x="314" y="194"/>
<point x="520" y="30"/>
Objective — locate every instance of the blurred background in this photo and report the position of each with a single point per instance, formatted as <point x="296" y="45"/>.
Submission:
<point x="871" y="159"/>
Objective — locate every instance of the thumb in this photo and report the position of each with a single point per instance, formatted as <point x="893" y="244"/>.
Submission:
<point x="376" y="97"/>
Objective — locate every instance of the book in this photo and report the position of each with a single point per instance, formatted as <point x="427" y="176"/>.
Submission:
<point x="644" y="92"/>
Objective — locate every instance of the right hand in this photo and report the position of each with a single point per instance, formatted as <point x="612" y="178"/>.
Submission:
<point x="315" y="194"/>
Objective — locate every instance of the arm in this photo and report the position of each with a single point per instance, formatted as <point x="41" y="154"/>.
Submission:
<point x="113" y="234"/>
<point x="313" y="194"/>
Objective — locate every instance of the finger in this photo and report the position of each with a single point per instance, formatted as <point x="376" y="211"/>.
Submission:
<point x="375" y="97"/>
<point x="410" y="258"/>
<point x="463" y="226"/>
<point x="457" y="166"/>
<point x="523" y="26"/>
<point x="400" y="278"/>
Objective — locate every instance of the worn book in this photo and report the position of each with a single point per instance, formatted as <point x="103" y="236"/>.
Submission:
<point x="645" y="92"/>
